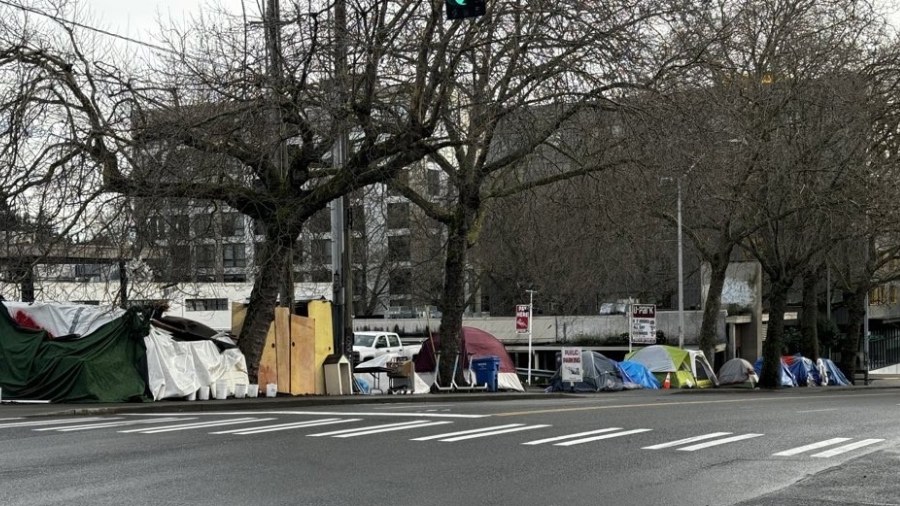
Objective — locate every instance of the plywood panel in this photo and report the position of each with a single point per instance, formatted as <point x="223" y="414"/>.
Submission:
<point x="268" y="362"/>
<point x="238" y="313"/>
<point x="303" y="365"/>
<point x="320" y="311"/>
<point x="283" y="348"/>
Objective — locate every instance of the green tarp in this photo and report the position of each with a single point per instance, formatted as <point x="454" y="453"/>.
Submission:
<point x="107" y="365"/>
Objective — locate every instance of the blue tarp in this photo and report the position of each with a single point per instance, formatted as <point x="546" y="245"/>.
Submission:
<point x="835" y="376"/>
<point x="637" y="374"/>
<point x="805" y="372"/>
<point x="787" y="379"/>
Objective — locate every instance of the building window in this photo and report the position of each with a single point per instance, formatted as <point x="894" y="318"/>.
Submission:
<point x="234" y="278"/>
<point x="234" y="255"/>
<point x="357" y="218"/>
<point x="321" y="251"/>
<point x="320" y="223"/>
<point x="180" y="225"/>
<point x="203" y="226"/>
<point x="398" y="215"/>
<point x="321" y="276"/>
<point x="87" y="270"/>
<point x="232" y="224"/>
<point x="401" y="281"/>
<point x="206" y="256"/>
<point x="398" y="248"/>
<point x="206" y="304"/>
<point x="156" y="227"/>
<point x="433" y="182"/>
<point x="402" y="178"/>
<point x="87" y="302"/>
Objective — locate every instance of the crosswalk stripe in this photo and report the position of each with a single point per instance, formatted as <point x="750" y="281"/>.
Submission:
<point x="493" y="433"/>
<point x="604" y="436"/>
<point x="686" y="441"/>
<point x="391" y="429"/>
<point x="814" y="446"/>
<point x="51" y="422"/>
<point x="244" y="431"/>
<point x="717" y="442"/>
<point x="846" y="448"/>
<point x="570" y="436"/>
<point x="107" y="425"/>
<point x="355" y="429"/>
<point x="462" y="432"/>
<point x="197" y="425"/>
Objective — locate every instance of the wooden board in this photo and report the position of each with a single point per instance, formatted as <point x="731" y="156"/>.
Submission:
<point x="268" y="362"/>
<point x="303" y="364"/>
<point x="283" y="348"/>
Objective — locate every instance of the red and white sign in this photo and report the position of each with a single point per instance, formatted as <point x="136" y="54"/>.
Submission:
<point x="643" y="323"/>
<point x="522" y="316"/>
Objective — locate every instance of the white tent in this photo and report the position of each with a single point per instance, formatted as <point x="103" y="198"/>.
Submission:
<point x="737" y="371"/>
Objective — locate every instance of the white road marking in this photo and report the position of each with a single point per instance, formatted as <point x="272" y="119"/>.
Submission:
<point x="371" y="427"/>
<point x="817" y="410"/>
<point x="686" y="441"/>
<point x="718" y="442"/>
<point x="197" y="425"/>
<point x="391" y="429"/>
<point x="51" y="422"/>
<point x="493" y="433"/>
<point x="472" y="431"/>
<point x="846" y="448"/>
<point x="813" y="446"/>
<point x="604" y="436"/>
<point x="335" y="413"/>
<point x="9" y="419"/>
<point x="106" y="425"/>
<point x="570" y="436"/>
<point x="243" y="431"/>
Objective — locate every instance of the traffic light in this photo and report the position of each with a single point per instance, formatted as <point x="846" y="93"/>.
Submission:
<point x="458" y="9"/>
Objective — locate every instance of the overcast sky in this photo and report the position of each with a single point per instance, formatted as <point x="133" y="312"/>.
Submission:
<point x="135" y="18"/>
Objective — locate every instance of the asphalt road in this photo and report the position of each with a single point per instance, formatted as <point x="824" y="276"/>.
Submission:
<point x="788" y="447"/>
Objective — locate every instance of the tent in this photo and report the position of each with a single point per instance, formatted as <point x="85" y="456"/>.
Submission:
<point x="600" y="374"/>
<point x="108" y="364"/>
<point x="833" y="375"/>
<point x="738" y="371"/>
<point x="636" y="375"/>
<point x="804" y="370"/>
<point x="474" y="343"/>
<point x="787" y="377"/>
<point x="686" y="368"/>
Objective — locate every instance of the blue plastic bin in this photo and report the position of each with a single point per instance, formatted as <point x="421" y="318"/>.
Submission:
<point x="486" y="371"/>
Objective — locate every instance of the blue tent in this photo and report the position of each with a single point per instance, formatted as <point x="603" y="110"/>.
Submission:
<point x="835" y="376"/>
<point x="805" y="371"/>
<point x="636" y="375"/>
<point x="787" y="379"/>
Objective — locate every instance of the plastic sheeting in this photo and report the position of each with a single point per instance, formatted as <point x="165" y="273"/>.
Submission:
<point x="636" y="375"/>
<point x="787" y="378"/>
<point x="62" y="319"/>
<point x="835" y="376"/>
<point x="180" y="368"/>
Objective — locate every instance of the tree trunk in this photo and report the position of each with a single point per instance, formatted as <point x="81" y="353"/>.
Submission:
<point x="453" y="299"/>
<point x="856" y="313"/>
<point x="770" y="376"/>
<point x="263" y="297"/>
<point x="809" y="316"/>
<point x="718" y="268"/>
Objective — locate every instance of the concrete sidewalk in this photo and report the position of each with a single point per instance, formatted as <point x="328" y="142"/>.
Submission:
<point x="10" y="409"/>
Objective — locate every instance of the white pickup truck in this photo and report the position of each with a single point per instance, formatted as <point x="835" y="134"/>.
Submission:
<point x="373" y="344"/>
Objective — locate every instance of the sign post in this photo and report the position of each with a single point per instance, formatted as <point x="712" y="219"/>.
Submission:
<point x="572" y="367"/>
<point x="642" y="328"/>
<point x="523" y="325"/>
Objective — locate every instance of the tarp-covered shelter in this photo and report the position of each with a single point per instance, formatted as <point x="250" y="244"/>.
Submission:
<point x="805" y="371"/>
<point x="636" y="375"/>
<point x="834" y="375"/>
<point x="474" y="343"/>
<point x="685" y="368"/>
<point x="786" y="378"/>
<point x="599" y="374"/>
<point x="738" y="371"/>
<point x="108" y="364"/>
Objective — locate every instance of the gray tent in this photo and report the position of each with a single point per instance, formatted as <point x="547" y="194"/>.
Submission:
<point x="737" y="371"/>
<point x="600" y="375"/>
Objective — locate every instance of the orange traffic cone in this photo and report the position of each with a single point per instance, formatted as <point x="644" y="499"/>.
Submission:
<point x="668" y="382"/>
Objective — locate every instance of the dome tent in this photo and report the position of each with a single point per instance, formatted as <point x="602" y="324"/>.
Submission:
<point x="685" y="368"/>
<point x="738" y="371"/>
<point x="600" y="374"/>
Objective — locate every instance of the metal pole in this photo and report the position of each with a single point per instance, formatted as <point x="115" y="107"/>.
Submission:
<point x="530" y="323"/>
<point x="680" y="275"/>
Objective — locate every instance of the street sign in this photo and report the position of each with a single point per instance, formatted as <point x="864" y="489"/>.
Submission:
<point x="571" y="367"/>
<point x="643" y="323"/>
<point x="522" y="316"/>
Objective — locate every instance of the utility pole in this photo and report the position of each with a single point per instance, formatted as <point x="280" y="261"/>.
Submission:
<point x="680" y="273"/>
<point x="530" y="325"/>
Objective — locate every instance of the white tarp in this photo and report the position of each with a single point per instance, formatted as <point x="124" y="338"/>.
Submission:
<point x="374" y="374"/>
<point x="180" y="368"/>
<point x="65" y="319"/>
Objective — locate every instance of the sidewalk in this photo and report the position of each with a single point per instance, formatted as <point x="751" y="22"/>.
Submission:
<point x="10" y="409"/>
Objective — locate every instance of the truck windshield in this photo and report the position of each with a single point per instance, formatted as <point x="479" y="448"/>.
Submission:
<point x="363" y="341"/>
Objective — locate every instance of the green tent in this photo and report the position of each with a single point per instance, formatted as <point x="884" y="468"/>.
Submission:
<point x="685" y="368"/>
<point x="107" y="365"/>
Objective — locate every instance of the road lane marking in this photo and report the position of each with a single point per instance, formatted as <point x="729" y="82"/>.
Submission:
<point x="371" y="427"/>
<point x="107" y="425"/>
<point x="686" y="441"/>
<point x="817" y="410"/>
<point x="846" y="448"/>
<point x="718" y="442"/>
<point x="570" y="436"/>
<point x="493" y="433"/>
<point x="244" y="431"/>
<point x="463" y="432"/>
<point x="604" y="436"/>
<point x="391" y="429"/>
<point x="197" y="425"/>
<point x="335" y="413"/>
<point x="813" y="446"/>
<point x="51" y="422"/>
